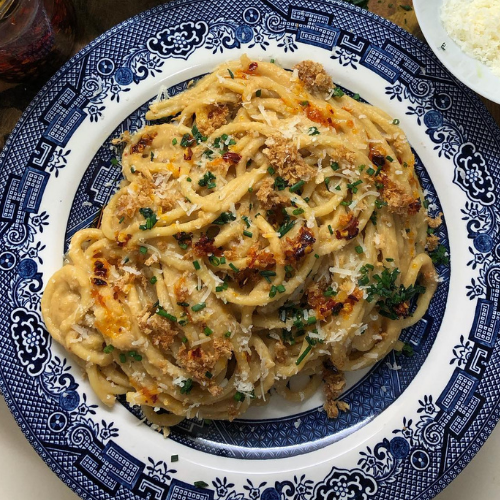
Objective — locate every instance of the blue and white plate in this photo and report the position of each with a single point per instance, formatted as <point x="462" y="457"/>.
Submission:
<point x="414" y="422"/>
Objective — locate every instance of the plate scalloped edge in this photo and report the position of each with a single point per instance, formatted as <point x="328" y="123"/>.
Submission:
<point x="439" y="440"/>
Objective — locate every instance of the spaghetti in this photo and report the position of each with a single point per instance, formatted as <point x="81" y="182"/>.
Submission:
<point x="269" y="226"/>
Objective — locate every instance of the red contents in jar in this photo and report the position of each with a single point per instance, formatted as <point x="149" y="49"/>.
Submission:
<point x="36" y="37"/>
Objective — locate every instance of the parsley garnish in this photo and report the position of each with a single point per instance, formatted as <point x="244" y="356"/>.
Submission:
<point x="199" y="307"/>
<point x="150" y="217"/>
<point x="338" y="92"/>
<point x="390" y="296"/>
<point x="224" y="218"/>
<point x="208" y="181"/>
<point x="313" y="131"/>
<point x="439" y="256"/>
<point x="280" y="184"/>
<point x="109" y="348"/>
<point x="187" y="385"/>
<point x="284" y="228"/>
<point x="187" y="141"/>
<point x="297" y="186"/>
<point x="239" y="396"/>
<point x="198" y="136"/>
<point x="164" y="314"/>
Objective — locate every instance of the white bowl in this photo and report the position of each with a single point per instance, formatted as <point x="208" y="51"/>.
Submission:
<point x="468" y="70"/>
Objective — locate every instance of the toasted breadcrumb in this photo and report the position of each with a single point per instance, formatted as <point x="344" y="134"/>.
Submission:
<point x="432" y="242"/>
<point x="314" y="76"/>
<point x="268" y="196"/>
<point x="211" y="118"/>
<point x="289" y="164"/>
<point x="436" y="221"/>
<point x="333" y="387"/>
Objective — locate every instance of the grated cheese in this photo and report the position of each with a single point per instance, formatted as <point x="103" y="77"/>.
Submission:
<point x="475" y="26"/>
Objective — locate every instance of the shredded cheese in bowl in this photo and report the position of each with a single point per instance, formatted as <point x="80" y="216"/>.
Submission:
<point x="475" y="26"/>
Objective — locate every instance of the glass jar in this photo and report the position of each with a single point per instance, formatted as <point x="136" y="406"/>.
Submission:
<point x="36" y="37"/>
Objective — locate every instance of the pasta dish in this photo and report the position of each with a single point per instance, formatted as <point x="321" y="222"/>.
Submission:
<point x="268" y="225"/>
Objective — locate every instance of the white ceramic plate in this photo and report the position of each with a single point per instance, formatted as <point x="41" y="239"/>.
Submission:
<point x="473" y="73"/>
<point x="414" y="422"/>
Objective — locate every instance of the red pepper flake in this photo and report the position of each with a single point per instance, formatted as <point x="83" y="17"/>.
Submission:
<point x="350" y="228"/>
<point x="300" y="246"/>
<point x="98" y="282"/>
<point x="122" y="240"/>
<point x="253" y="66"/>
<point x="231" y="157"/>
<point x="143" y="142"/>
<point x="100" y="269"/>
<point x="205" y="246"/>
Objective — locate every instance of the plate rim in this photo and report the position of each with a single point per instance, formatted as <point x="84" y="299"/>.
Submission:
<point x="11" y="403"/>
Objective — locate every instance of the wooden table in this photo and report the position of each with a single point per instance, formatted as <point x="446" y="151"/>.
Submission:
<point x="481" y="478"/>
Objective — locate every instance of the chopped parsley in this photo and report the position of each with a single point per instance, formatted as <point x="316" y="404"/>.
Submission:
<point x="258" y="93"/>
<point x="143" y="250"/>
<point x="239" y="396"/>
<point x="214" y="260"/>
<point x="359" y="249"/>
<point x="271" y="170"/>
<point x="352" y="186"/>
<point x="164" y="314"/>
<point x="248" y="234"/>
<point x="356" y="97"/>
<point x="285" y="227"/>
<point x="224" y="218"/>
<point x="208" y="180"/>
<point x="395" y="121"/>
<point x="174" y="141"/>
<point x="338" y="92"/>
<point x="174" y="458"/>
<point x="303" y="355"/>
<point x="234" y="268"/>
<point x="198" y="136"/>
<point x="298" y="211"/>
<point x="207" y="331"/>
<point x="199" y="307"/>
<point x="334" y="166"/>
<point x="187" y="140"/>
<point x="390" y="296"/>
<point x="439" y="256"/>
<point x="109" y="348"/>
<point x="280" y="184"/>
<point x="187" y="385"/>
<point x="313" y="131"/>
<point x="231" y="74"/>
<point x="150" y="217"/>
<point x="297" y="186"/>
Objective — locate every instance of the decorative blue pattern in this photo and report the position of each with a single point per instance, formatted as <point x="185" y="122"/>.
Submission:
<point x="429" y="447"/>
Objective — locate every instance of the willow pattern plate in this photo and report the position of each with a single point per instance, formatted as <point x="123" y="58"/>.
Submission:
<point x="414" y="422"/>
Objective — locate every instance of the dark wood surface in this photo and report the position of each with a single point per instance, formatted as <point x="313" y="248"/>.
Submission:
<point x="96" y="16"/>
